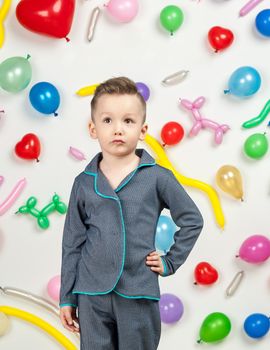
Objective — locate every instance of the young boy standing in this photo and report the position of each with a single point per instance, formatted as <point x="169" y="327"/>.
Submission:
<point x="110" y="268"/>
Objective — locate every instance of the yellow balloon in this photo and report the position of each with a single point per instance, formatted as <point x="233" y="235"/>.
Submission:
<point x="229" y="179"/>
<point x="87" y="90"/>
<point x="3" y="13"/>
<point x="163" y="160"/>
<point x="12" y="311"/>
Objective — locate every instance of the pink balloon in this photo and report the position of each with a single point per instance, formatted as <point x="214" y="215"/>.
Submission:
<point x="1" y="179"/>
<point x="123" y="10"/>
<point x="11" y="198"/>
<point x="202" y="123"/>
<point x="76" y="153"/>
<point x="53" y="287"/>
<point x="255" y="249"/>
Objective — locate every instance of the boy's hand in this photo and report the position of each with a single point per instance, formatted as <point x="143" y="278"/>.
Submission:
<point x="68" y="317"/>
<point x="154" y="260"/>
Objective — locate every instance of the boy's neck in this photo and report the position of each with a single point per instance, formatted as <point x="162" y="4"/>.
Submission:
<point x="110" y="162"/>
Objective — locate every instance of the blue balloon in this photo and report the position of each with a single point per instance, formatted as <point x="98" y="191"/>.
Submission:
<point x="244" y="81"/>
<point x="164" y="233"/>
<point x="45" y="98"/>
<point x="256" y="325"/>
<point x="262" y="22"/>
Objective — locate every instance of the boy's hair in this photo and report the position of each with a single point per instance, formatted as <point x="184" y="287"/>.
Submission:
<point x="117" y="86"/>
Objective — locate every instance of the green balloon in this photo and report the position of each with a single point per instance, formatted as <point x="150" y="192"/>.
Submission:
<point x="171" y="17"/>
<point x="43" y="222"/>
<point x="15" y="74"/>
<point x="256" y="146"/>
<point x="216" y="326"/>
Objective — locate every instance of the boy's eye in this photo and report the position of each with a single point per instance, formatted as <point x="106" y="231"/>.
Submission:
<point x="128" y="120"/>
<point x="107" y="120"/>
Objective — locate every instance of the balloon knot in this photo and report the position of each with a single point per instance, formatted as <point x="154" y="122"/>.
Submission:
<point x="237" y="256"/>
<point x="216" y="50"/>
<point x="28" y="56"/>
<point x="242" y="199"/>
<point x="195" y="283"/>
<point x="67" y="39"/>
<point x="171" y="33"/>
<point x="55" y="114"/>
<point x="226" y="91"/>
<point x="37" y="160"/>
<point x="199" y="341"/>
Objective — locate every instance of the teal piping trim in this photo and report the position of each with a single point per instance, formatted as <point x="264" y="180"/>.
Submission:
<point x="164" y="266"/>
<point x="136" y="296"/>
<point x="61" y="305"/>
<point x="132" y="174"/>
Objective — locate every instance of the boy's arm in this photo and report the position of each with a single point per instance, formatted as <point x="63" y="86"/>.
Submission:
<point x="186" y="215"/>
<point x="73" y="238"/>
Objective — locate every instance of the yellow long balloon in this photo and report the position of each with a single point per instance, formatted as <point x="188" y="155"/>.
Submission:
<point x="87" y="90"/>
<point x="3" y="13"/>
<point x="163" y="160"/>
<point x="12" y="311"/>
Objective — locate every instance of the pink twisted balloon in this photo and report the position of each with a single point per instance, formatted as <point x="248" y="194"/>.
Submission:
<point x="202" y="123"/>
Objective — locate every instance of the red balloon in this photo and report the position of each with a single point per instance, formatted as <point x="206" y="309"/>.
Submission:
<point x="49" y="17"/>
<point x="172" y="133"/>
<point x="220" y="38"/>
<point x="205" y="273"/>
<point x="28" y="147"/>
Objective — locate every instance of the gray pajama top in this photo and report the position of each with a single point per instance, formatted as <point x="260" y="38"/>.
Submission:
<point x="108" y="232"/>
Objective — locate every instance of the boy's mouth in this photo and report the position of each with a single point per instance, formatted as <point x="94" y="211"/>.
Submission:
<point x="118" y="141"/>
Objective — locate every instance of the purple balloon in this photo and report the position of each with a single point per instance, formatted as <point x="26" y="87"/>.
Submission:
<point x="143" y="90"/>
<point x="255" y="249"/>
<point x="171" y="308"/>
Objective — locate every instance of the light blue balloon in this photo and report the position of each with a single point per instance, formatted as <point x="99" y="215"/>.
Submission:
<point x="164" y="233"/>
<point x="45" y="98"/>
<point x="244" y="82"/>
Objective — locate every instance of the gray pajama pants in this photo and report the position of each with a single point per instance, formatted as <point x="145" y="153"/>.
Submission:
<point x="112" y="322"/>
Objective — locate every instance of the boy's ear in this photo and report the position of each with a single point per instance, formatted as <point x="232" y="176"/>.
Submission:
<point x="92" y="129"/>
<point x="143" y="132"/>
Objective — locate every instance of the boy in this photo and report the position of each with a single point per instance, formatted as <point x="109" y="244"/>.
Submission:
<point x="110" y="267"/>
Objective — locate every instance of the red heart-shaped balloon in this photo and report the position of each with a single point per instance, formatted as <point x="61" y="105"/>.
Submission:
<point x="28" y="147"/>
<point x="50" y="17"/>
<point x="205" y="273"/>
<point x="220" y="38"/>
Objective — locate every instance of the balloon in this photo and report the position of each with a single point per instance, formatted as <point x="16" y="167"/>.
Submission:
<point x="53" y="287"/>
<point x="15" y="74"/>
<point x="175" y="77"/>
<point x="143" y="89"/>
<point x="12" y="197"/>
<point x="256" y="325"/>
<point x="262" y="22"/>
<point x="61" y="338"/>
<point x="260" y="118"/>
<point x="92" y="23"/>
<point x="244" y="81"/>
<point x="87" y="90"/>
<point x="41" y="216"/>
<point x="232" y="287"/>
<point x="205" y="273"/>
<point x="165" y="231"/>
<point x="256" y="146"/>
<point x="45" y="98"/>
<point x="172" y="133"/>
<point x="220" y="38"/>
<point x="76" y="153"/>
<point x="229" y="179"/>
<point x="28" y="147"/>
<point x="171" y="308"/>
<point x="248" y="7"/>
<point x="3" y="13"/>
<point x="162" y="159"/>
<point x="171" y="18"/>
<point x="202" y="123"/>
<point x="255" y="249"/>
<point x="1" y="180"/>
<point x="123" y="10"/>
<point x="49" y="17"/>
<point x="216" y="326"/>
<point x="4" y="324"/>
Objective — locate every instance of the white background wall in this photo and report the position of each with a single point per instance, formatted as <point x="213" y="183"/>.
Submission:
<point x="143" y="51"/>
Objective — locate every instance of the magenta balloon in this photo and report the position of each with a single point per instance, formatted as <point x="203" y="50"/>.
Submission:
<point x="255" y="249"/>
<point x="171" y="308"/>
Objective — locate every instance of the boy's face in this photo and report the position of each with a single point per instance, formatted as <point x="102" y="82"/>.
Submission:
<point x="118" y="123"/>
